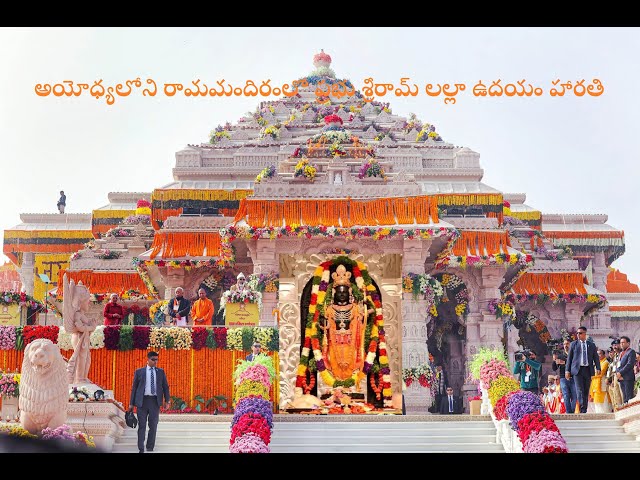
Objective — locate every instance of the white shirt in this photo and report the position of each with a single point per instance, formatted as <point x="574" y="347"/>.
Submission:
<point x="450" y="400"/>
<point x="147" y="387"/>
<point x="583" y="354"/>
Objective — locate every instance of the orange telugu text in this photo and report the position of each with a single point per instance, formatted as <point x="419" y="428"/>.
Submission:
<point x="323" y="89"/>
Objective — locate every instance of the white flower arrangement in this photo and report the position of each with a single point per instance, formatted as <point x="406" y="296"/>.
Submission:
<point x="64" y="339"/>
<point x="96" y="340"/>
<point x="244" y="296"/>
<point x="79" y="394"/>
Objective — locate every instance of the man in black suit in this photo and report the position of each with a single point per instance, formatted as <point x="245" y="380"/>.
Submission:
<point x="179" y="308"/>
<point x="148" y="389"/>
<point x="255" y="351"/>
<point x="582" y="363"/>
<point x="625" y="373"/>
<point x="450" y="404"/>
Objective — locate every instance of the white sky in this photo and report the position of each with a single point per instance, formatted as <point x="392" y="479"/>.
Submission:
<point x="568" y="154"/>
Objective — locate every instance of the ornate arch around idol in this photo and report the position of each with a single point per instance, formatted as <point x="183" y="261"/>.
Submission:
<point x="460" y="292"/>
<point x="376" y="352"/>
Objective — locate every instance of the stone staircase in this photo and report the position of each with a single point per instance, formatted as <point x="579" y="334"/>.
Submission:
<point x="595" y="433"/>
<point x="329" y="434"/>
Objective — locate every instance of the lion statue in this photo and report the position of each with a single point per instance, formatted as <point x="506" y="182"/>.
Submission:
<point x="44" y="390"/>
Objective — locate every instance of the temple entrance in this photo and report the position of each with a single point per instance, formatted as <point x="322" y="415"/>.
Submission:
<point x="368" y="388"/>
<point x="446" y="332"/>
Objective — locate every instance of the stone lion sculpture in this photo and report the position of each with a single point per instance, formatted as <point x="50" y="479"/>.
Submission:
<point x="44" y="390"/>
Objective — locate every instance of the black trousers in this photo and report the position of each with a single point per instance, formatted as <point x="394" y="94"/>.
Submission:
<point x="627" y="390"/>
<point x="583" y="382"/>
<point x="150" y="410"/>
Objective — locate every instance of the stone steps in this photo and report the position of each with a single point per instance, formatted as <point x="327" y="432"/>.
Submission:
<point x="604" y="435"/>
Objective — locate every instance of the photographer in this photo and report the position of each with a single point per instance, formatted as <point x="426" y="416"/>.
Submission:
<point x="529" y="370"/>
<point x="567" y="387"/>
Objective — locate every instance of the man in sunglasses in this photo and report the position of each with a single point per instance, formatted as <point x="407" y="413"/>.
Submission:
<point x="149" y="388"/>
<point x="582" y="364"/>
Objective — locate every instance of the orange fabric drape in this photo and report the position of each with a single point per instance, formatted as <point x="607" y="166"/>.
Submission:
<point x="104" y="282"/>
<point x="603" y="234"/>
<point x="617" y="282"/>
<point x="339" y="212"/>
<point x="477" y="243"/>
<point x="625" y="308"/>
<point x="550" y="283"/>
<point x="44" y="248"/>
<point x="182" y="244"/>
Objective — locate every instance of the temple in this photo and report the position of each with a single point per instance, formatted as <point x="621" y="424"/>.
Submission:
<point x="443" y="263"/>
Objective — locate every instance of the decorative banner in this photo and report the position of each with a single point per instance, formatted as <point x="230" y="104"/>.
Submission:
<point x="10" y="314"/>
<point x="242" y="314"/>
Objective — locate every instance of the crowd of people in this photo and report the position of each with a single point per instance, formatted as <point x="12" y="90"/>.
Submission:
<point x="588" y="379"/>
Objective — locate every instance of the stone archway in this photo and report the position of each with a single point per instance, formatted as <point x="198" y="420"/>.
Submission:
<point x="446" y="331"/>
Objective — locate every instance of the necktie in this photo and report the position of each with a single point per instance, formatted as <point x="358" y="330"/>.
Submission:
<point x="584" y="353"/>
<point x="153" y="381"/>
<point x="451" y="404"/>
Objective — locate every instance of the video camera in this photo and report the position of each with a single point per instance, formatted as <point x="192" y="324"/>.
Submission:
<point x="521" y="355"/>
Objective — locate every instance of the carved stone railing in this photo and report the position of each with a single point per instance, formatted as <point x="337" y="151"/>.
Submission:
<point x="196" y="223"/>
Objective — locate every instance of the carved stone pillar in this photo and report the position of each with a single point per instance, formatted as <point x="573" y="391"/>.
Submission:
<point x="27" y="273"/>
<point x="173" y="280"/>
<point x="414" y="326"/>
<point x="491" y="330"/>
<point x="265" y="260"/>
<point x="600" y="272"/>
<point x="573" y="314"/>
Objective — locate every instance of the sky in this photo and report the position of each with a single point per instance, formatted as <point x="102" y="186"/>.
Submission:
<point x="568" y="154"/>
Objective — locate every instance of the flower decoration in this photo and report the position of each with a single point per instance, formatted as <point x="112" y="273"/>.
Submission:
<point x="534" y="422"/>
<point x="108" y="254"/>
<point x="491" y="370"/>
<point x="244" y="296"/>
<point x="545" y="441"/>
<point x="500" y="409"/>
<point x="371" y="169"/>
<point x="483" y="356"/>
<point x="305" y="169"/>
<point x="332" y="119"/>
<point x="268" y="172"/>
<point x="520" y="404"/>
<point x="7" y="337"/>
<point x="271" y="132"/>
<point x="500" y="387"/>
<point x="79" y="394"/>
<point x="10" y="384"/>
<point x="63" y="433"/>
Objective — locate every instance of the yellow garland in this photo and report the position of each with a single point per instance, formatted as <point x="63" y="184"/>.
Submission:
<point x="532" y="215"/>
<point x="198" y="194"/>
<point x="112" y="213"/>
<point x="470" y="199"/>
<point x="80" y="234"/>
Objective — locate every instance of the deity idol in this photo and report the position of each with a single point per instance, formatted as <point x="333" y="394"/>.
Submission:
<point x="344" y="326"/>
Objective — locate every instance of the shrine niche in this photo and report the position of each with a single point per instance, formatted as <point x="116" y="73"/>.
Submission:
<point x="342" y="335"/>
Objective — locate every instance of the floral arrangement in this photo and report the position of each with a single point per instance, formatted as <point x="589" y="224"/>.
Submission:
<point x="501" y="308"/>
<point x="219" y="133"/>
<point x="16" y="430"/>
<point x="177" y="338"/>
<point x="264" y="282"/>
<point x="422" y="374"/>
<point x="158" y="312"/>
<point x="268" y="172"/>
<point x="271" y="131"/>
<point x="7" y="337"/>
<point x="371" y="168"/>
<point x="63" y="433"/>
<point x="143" y="207"/>
<point x="305" y="169"/>
<point x="423" y="285"/>
<point x="545" y="441"/>
<point x="22" y="299"/>
<point x="485" y="355"/>
<point x="534" y="422"/>
<point x="108" y="254"/>
<point x="31" y="332"/>
<point x="199" y="338"/>
<point x="118" y="232"/>
<point x="491" y="370"/>
<point x="333" y="118"/>
<point x="522" y="403"/>
<point x="10" y="384"/>
<point x="428" y="131"/>
<point x="500" y="409"/>
<point x="79" y="394"/>
<point x="500" y="387"/>
<point x="244" y="296"/>
<point x="137" y="219"/>
<point x="475" y="398"/>
<point x="253" y="418"/>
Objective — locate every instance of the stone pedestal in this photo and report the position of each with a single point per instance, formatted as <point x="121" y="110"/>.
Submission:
<point x="104" y="421"/>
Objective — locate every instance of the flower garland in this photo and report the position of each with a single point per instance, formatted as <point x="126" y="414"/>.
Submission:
<point x="63" y="433"/>
<point x="421" y="374"/>
<point x="264" y="282"/>
<point x="423" y="285"/>
<point x="374" y="337"/>
<point x="445" y="259"/>
<point x="244" y="296"/>
<point x="79" y="394"/>
<point x="528" y="321"/>
<point x="22" y="299"/>
<point x="502" y="308"/>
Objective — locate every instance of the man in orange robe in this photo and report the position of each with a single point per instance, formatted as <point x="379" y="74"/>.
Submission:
<point x="202" y="310"/>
